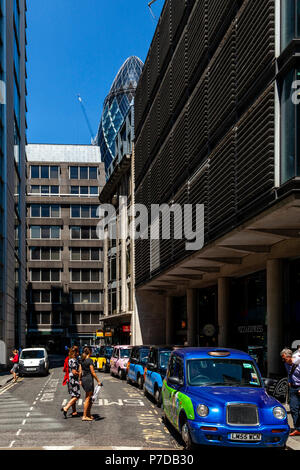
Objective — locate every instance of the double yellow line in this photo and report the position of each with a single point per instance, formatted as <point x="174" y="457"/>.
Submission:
<point x="9" y="386"/>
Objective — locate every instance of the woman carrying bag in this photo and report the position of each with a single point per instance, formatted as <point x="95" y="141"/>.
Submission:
<point x="86" y="377"/>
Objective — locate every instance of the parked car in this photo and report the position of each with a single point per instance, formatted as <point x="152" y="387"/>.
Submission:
<point x="155" y="371"/>
<point x="138" y="360"/>
<point x="95" y="355"/>
<point x="103" y="361"/>
<point x="119" y="359"/>
<point x="33" y="361"/>
<point x="217" y="397"/>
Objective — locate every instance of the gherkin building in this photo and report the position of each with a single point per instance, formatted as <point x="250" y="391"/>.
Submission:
<point x="116" y="106"/>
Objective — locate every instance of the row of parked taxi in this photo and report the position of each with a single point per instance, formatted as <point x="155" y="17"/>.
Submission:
<point x="211" y="396"/>
<point x="144" y="366"/>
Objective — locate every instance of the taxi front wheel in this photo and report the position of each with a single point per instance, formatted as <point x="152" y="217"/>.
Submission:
<point x="186" y="437"/>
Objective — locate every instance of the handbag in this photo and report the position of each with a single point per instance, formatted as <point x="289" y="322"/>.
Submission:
<point x="96" y="392"/>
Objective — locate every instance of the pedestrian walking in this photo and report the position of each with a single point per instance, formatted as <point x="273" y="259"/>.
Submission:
<point x="73" y="382"/>
<point x="86" y="377"/>
<point x="15" y="368"/>
<point x="293" y="371"/>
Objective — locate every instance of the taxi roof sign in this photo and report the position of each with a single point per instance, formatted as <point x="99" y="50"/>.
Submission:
<point x="219" y="353"/>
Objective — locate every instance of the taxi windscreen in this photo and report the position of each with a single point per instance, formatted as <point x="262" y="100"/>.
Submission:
<point x="222" y="372"/>
<point x="164" y="359"/>
<point x="125" y="353"/>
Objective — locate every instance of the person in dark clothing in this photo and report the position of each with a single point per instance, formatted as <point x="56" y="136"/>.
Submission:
<point x="86" y="378"/>
<point x="293" y="371"/>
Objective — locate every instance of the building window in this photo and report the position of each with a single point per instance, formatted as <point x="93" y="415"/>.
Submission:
<point x="45" y="231"/>
<point x="86" y="318"/>
<point x="290" y="21"/>
<point x="85" y="254"/>
<point x="290" y="127"/>
<point x="83" y="212"/>
<point x="45" y="254"/>
<point x="86" y="297"/>
<point x="45" y="275"/>
<point x="85" y="275"/>
<point x="45" y="210"/>
<point x="44" y="190"/>
<point x="84" y="190"/>
<point x="45" y="318"/>
<point x="44" y="171"/>
<point x="46" y="296"/>
<point x="83" y="233"/>
<point x="83" y="172"/>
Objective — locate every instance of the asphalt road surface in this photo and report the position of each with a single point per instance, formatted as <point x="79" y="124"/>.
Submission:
<point x="31" y="417"/>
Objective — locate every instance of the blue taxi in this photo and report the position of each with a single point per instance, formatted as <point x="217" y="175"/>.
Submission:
<point x="155" y="371"/>
<point x="137" y="362"/>
<point x="215" y="396"/>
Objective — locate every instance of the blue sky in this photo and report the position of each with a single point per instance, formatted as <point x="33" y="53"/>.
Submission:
<point x="77" y="47"/>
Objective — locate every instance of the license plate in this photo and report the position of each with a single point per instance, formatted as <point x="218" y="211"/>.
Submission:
<point x="238" y="436"/>
<point x="31" y="368"/>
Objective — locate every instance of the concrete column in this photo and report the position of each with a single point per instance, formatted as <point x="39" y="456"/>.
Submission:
<point x="223" y="311"/>
<point x="191" y="316"/>
<point x="105" y="272"/>
<point x="274" y="314"/>
<point x="169" y="320"/>
<point x="123" y="254"/>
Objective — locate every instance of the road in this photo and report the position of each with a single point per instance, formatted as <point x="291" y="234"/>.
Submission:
<point x="30" y="417"/>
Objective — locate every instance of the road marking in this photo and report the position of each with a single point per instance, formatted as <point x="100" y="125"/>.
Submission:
<point x="19" y="431"/>
<point x="58" y="447"/>
<point x="126" y="448"/>
<point x="12" y="443"/>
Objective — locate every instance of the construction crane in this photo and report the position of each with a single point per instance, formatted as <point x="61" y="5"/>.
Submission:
<point x="149" y="5"/>
<point x="86" y="117"/>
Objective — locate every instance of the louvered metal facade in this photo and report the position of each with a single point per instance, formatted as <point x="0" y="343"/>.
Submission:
<point x="205" y="117"/>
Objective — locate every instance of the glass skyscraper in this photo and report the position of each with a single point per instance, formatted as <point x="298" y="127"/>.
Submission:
<point x="116" y="106"/>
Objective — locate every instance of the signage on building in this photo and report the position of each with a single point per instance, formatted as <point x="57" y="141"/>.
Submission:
<point x="209" y="330"/>
<point x="126" y="328"/>
<point x="251" y="329"/>
<point x="99" y="334"/>
<point x="108" y="334"/>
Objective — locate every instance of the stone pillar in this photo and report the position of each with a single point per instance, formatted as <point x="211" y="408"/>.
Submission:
<point x="191" y="316"/>
<point x="123" y="253"/>
<point x="105" y="272"/>
<point x="274" y="314"/>
<point x="223" y="311"/>
<point x="169" y="320"/>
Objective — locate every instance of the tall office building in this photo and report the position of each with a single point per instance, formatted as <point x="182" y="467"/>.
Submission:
<point x="116" y="106"/>
<point x="12" y="175"/>
<point x="216" y="123"/>
<point x="118" y="261"/>
<point x="65" y="259"/>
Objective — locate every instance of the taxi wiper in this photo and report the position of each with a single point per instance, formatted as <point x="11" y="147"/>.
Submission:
<point x="224" y="384"/>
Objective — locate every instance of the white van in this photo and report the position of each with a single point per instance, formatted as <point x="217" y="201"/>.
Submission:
<point x="33" y="361"/>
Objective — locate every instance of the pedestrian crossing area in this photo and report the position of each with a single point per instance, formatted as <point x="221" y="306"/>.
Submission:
<point x="16" y="414"/>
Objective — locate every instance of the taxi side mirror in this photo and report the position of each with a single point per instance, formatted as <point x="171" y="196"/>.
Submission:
<point x="175" y="381"/>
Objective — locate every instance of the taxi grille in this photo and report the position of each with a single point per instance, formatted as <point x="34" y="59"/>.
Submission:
<point x="242" y="415"/>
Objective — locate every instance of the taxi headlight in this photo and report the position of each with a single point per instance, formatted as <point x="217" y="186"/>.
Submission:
<point x="202" y="410"/>
<point x="279" y="412"/>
